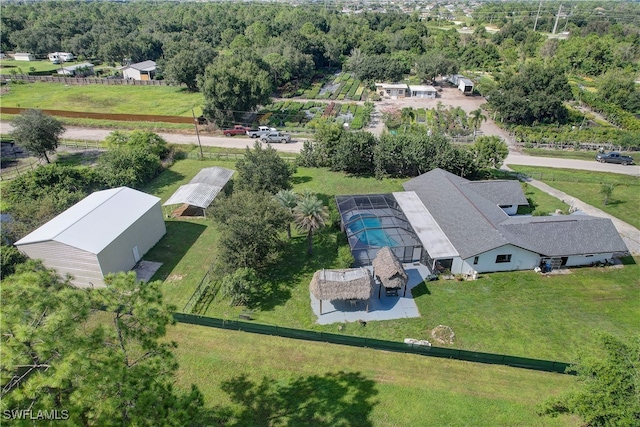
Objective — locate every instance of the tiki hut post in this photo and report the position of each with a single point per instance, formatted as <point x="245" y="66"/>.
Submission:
<point x="389" y="270"/>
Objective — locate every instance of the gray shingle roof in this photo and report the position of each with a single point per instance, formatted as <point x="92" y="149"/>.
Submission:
<point x="469" y="215"/>
<point x="470" y="230"/>
<point x="563" y="235"/>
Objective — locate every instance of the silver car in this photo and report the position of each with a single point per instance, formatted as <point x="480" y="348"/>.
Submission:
<point x="276" y="137"/>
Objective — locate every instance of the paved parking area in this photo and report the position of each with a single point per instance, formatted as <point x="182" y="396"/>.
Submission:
<point x="383" y="308"/>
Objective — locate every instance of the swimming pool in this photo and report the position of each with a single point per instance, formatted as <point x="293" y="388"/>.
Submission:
<point x="368" y="229"/>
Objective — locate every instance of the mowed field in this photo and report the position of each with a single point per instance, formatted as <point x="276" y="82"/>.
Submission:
<point x="116" y="99"/>
<point x="256" y="380"/>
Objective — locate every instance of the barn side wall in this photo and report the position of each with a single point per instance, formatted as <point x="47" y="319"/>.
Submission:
<point x="81" y="265"/>
<point x="144" y="233"/>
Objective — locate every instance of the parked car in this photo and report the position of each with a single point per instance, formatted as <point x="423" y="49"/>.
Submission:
<point x="236" y="130"/>
<point x="262" y="130"/>
<point x="276" y="137"/>
<point x="614" y="157"/>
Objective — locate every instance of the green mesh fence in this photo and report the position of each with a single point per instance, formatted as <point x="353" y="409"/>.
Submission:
<point x="448" y="353"/>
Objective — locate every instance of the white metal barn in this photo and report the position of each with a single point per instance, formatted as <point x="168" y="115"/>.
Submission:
<point x="106" y="232"/>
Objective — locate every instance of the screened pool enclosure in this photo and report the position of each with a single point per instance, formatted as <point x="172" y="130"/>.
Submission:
<point x="374" y="221"/>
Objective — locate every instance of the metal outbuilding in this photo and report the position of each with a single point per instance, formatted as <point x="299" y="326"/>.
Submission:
<point x="106" y="232"/>
<point x="200" y="191"/>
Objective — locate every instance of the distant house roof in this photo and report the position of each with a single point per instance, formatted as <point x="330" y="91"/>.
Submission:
<point x="392" y="85"/>
<point x="469" y="215"/>
<point x="142" y="66"/>
<point x="71" y="68"/>
<point x="202" y="189"/>
<point x="93" y="223"/>
<point x="422" y="88"/>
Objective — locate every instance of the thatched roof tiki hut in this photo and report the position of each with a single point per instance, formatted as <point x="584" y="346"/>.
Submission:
<point x="388" y="269"/>
<point x="349" y="284"/>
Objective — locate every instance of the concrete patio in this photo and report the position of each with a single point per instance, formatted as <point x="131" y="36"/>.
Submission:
<point x="383" y="308"/>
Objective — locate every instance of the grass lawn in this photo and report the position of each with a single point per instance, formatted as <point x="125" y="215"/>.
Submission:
<point x="585" y="185"/>
<point x="520" y="313"/>
<point x="256" y="380"/>
<point x="117" y="99"/>
<point x="564" y="154"/>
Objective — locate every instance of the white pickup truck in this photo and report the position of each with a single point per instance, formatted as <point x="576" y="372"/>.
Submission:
<point x="262" y="130"/>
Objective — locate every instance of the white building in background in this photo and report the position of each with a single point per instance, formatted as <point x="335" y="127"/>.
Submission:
<point x="422" y="91"/>
<point x="107" y="232"/>
<point x="145" y="70"/>
<point x="23" y="56"/>
<point x="58" y="57"/>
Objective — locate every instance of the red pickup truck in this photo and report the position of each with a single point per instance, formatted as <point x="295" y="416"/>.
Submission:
<point x="236" y="130"/>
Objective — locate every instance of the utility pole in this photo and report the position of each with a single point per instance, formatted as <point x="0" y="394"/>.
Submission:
<point x="555" y="26"/>
<point x="195" y="123"/>
<point x="535" y="24"/>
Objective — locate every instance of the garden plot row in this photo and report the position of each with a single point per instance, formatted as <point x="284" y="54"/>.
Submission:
<point x="293" y="114"/>
<point x="342" y="86"/>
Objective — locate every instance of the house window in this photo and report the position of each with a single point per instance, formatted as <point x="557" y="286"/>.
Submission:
<point x="389" y="91"/>
<point x="400" y="91"/>
<point x="503" y="258"/>
<point x="475" y="260"/>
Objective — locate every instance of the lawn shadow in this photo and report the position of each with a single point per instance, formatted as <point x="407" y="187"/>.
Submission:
<point x="613" y="202"/>
<point x="301" y="179"/>
<point x="421" y="289"/>
<point x="173" y="246"/>
<point x="294" y="264"/>
<point x="85" y="157"/>
<point x="628" y="260"/>
<point x="333" y="399"/>
<point x="165" y="179"/>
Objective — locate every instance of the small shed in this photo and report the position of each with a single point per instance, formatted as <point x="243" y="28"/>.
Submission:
<point x="145" y="70"/>
<point x="23" y="56"/>
<point x="388" y="269"/>
<point x="196" y="196"/>
<point x="106" y="232"/>
<point x="78" y="70"/>
<point x="350" y="284"/>
<point x="392" y="90"/>
<point x="422" y="91"/>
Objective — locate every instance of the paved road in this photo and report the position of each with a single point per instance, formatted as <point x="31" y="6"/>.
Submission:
<point x="515" y="158"/>
<point x="91" y="134"/>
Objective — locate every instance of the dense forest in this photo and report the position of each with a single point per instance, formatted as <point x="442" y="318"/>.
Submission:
<point x="285" y="46"/>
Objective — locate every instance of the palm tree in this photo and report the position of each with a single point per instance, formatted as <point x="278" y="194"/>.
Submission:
<point x="476" y="119"/>
<point x="310" y="215"/>
<point x="406" y="115"/>
<point x="288" y="199"/>
<point x="606" y="190"/>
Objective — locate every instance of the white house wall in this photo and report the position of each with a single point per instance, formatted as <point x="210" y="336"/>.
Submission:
<point x="131" y="73"/>
<point x="81" y="265"/>
<point x="144" y="233"/>
<point x="521" y="259"/>
<point x="576" y="260"/>
<point x="510" y="210"/>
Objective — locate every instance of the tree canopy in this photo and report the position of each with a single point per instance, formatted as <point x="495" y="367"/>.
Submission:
<point x="37" y="132"/>
<point x="609" y="377"/>
<point x="60" y="353"/>
<point x="262" y="169"/>
<point x="234" y="85"/>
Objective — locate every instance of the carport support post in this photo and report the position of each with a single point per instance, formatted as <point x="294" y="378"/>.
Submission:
<point x="405" y="290"/>
<point x="320" y="307"/>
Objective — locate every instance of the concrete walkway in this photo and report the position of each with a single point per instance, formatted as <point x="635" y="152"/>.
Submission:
<point x="630" y="235"/>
